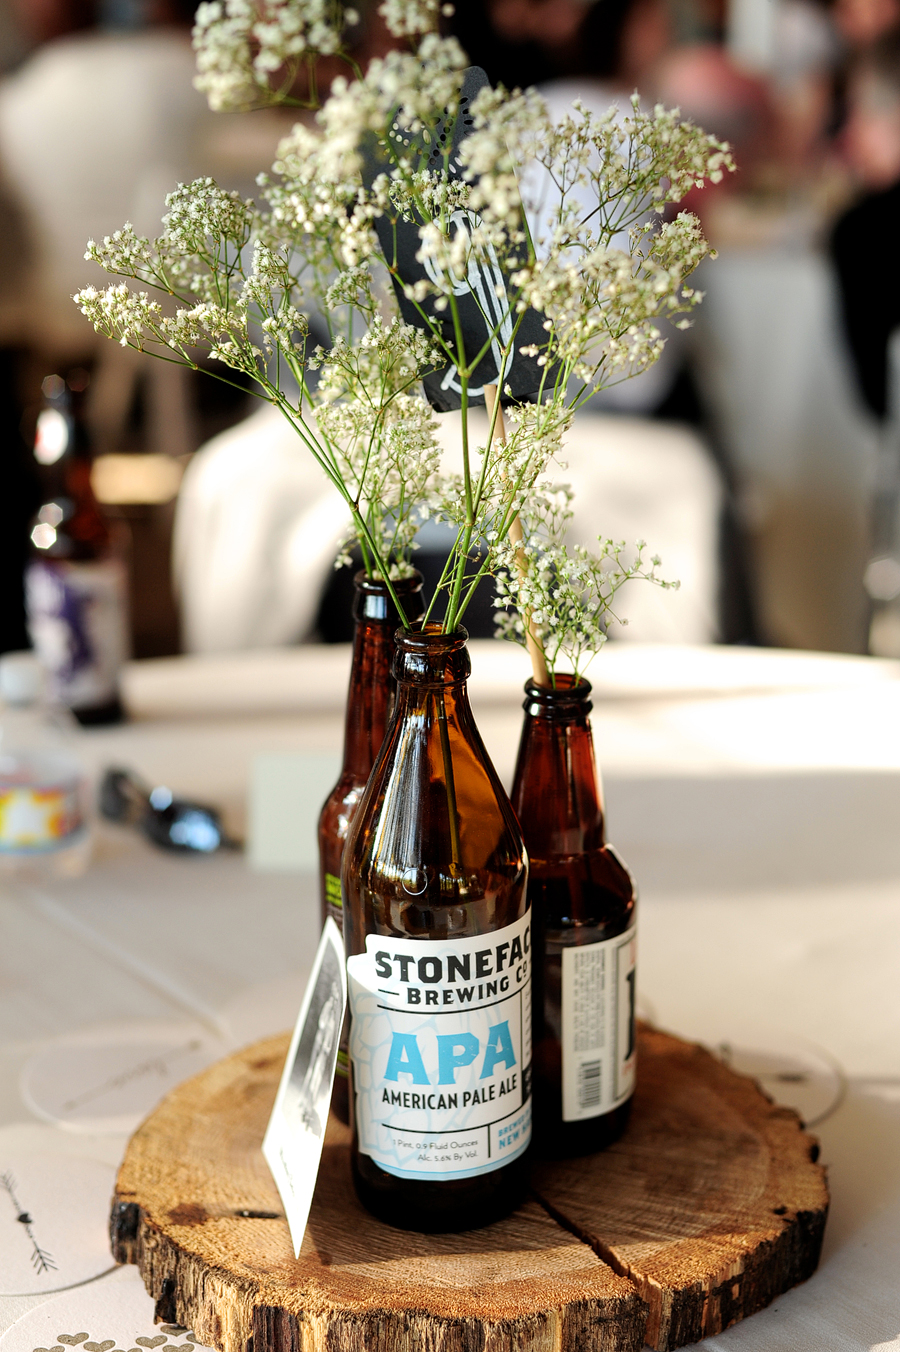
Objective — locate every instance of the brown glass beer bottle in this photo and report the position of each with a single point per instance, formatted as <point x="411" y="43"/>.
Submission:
<point x="370" y="697"/>
<point x="437" y="933"/>
<point x="583" y="903"/>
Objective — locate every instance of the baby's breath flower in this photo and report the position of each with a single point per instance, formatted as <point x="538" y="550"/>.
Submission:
<point x="390" y="461"/>
<point x="222" y="30"/>
<point x="119" y="313"/>
<point x="122" y="251"/>
<point x="567" y="592"/>
<point x="552" y="229"/>
<point x="408" y="18"/>
<point x="201" y="214"/>
<point x="241" y="43"/>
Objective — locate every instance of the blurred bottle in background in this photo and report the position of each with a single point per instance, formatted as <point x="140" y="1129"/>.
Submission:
<point x="43" y="785"/>
<point x="75" y="582"/>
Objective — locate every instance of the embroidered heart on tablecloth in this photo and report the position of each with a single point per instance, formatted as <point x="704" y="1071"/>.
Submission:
<point x="116" y="1309"/>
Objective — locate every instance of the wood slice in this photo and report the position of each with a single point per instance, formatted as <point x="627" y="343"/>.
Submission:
<point x="710" y="1206"/>
<point x="712" y="1202"/>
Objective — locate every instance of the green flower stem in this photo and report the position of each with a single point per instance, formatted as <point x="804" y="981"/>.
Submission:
<point x="364" y="534"/>
<point x="451" y="618"/>
<point x="532" y="642"/>
<point x="450" y="782"/>
<point x="443" y="577"/>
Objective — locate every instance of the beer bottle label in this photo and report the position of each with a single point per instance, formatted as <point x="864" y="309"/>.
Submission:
<point x="440" y="1044"/>
<point x="333" y="902"/>
<point x="598" y="1044"/>
<point x="77" y="617"/>
<point x="39" y="818"/>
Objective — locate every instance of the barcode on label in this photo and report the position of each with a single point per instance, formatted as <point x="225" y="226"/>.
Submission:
<point x="597" y="1026"/>
<point x="589" y="1086"/>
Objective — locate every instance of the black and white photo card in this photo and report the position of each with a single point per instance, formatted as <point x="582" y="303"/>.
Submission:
<point x="293" y="1140"/>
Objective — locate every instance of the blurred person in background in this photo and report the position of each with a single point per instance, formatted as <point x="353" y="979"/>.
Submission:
<point x="773" y="376"/>
<point x="869" y="276"/>
<point x="861" y="23"/>
<point x="867" y="265"/>
<point x="531" y="42"/>
<point x="807" y="55"/>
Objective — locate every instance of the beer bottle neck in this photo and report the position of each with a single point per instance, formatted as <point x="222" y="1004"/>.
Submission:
<point x="371" y="692"/>
<point x="427" y="662"/>
<point x="556" y="794"/>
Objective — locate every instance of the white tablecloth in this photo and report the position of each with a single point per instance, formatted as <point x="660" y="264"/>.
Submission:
<point x="755" y="794"/>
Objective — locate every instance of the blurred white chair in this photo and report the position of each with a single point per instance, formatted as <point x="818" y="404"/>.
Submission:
<point x="256" y="531"/>
<point x="95" y="129"/>
<point x="640" y="479"/>
<point x="257" y="526"/>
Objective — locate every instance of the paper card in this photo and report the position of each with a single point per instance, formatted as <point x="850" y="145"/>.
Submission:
<point x="115" y="1313"/>
<point x="108" y="1077"/>
<point x="54" y="1216"/>
<point x="286" y="793"/>
<point x="293" y="1140"/>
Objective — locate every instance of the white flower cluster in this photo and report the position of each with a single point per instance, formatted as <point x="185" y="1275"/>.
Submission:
<point x="390" y="463"/>
<point x="201" y="214"/>
<point x="387" y="360"/>
<point x="240" y="44"/>
<point x="603" y="306"/>
<point x="225" y="74"/>
<point x="122" y="252"/>
<point x="120" y="313"/>
<point x="623" y="161"/>
<point x="135" y="320"/>
<point x="510" y="132"/>
<point x="601" y="272"/>
<point x="409" y="18"/>
<point x="550" y="222"/>
<point x="483" y="505"/>
<point x="402" y="95"/>
<point x="566" y="592"/>
<point x="230" y="286"/>
<point x="316" y="206"/>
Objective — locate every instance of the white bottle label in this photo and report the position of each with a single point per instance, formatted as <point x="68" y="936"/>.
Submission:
<point x="77" y="617"/>
<point x="440" y="1044"/>
<point x="598" y="1044"/>
<point x="38" y="818"/>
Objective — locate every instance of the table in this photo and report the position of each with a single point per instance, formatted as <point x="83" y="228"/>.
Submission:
<point x="754" y="793"/>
